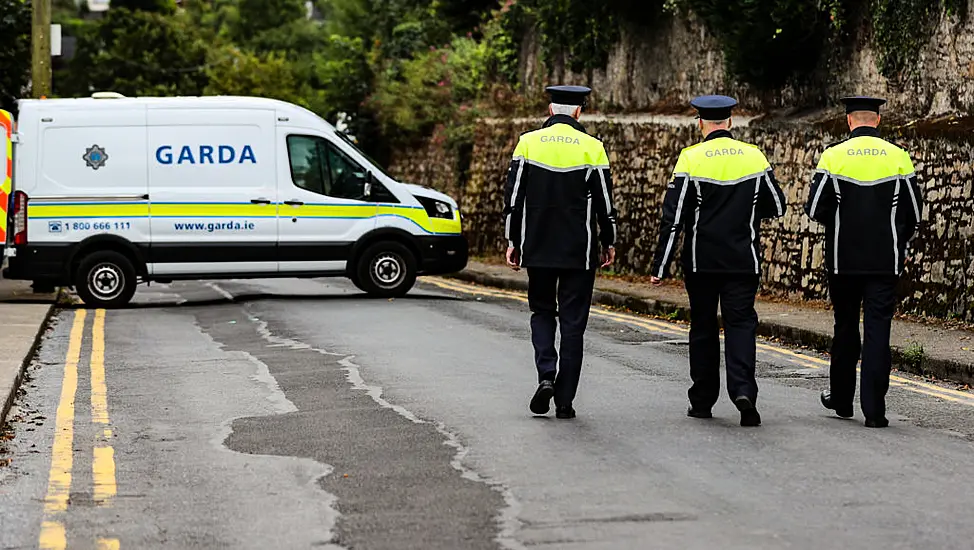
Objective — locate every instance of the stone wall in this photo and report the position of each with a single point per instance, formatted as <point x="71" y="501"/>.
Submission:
<point x="679" y="59"/>
<point x="643" y="152"/>
<point x="432" y="164"/>
<point x="669" y="64"/>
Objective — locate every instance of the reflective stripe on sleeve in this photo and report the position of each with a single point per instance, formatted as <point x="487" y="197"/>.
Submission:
<point x="676" y="224"/>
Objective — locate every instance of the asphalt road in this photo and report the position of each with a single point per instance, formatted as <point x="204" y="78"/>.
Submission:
<point x="300" y="414"/>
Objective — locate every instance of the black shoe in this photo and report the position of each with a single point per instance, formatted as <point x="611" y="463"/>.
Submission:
<point x="699" y="413"/>
<point x="880" y="422"/>
<point x="565" y="413"/>
<point x="844" y="411"/>
<point x="541" y="402"/>
<point x="749" y="414"/>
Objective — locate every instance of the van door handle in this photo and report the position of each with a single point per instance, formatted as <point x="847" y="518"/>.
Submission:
<point x="294" y="203"/>
<point x="260" y="201"/>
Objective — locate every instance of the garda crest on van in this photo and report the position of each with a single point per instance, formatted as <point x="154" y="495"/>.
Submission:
<point x="205" y="154"/>
<point x="95" y="157"/>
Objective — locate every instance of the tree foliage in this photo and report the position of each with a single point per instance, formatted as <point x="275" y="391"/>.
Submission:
<point x="902" y="27"/>
<point x="463" y="15"/>
<point x="236" y="72"/>
<point x="433" y="87"/>
<point x="14" y="51"/>
<point x="154" y="6"/>
<point x="259" y="16"/>
<point x="766" y="42"/>
<point x="138" y="53"/>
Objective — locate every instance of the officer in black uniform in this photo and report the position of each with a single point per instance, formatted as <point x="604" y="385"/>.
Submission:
<point x="721" y="190"/>
<point x="558" y="210"/>
<point x="866" y="194"/>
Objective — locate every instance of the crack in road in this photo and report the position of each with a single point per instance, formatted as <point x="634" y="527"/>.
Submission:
<point x="360" y="479"/>
<point x="508" y="516"/>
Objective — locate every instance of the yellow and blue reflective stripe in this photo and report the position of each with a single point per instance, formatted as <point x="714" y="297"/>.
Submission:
<point x="56" y="210"/>
<point x="417" y="215"/>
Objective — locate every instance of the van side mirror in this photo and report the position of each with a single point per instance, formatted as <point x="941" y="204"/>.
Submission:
<point x="368" y="185"/>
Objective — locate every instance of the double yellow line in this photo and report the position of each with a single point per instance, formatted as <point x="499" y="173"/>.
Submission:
<point x="670" y="329"/>
<point x="53" y="534"/>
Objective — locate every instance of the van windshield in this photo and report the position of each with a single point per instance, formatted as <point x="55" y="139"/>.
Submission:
<point x="351" y="144"/>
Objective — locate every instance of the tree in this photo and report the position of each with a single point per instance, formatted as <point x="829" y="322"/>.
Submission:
<point x="216" y="19"/>
<point x="295" y="38"/>
<point x="413" y="23"/>
<point x="257" y="16"/>
<point x="339" y="74"/>
<point x="14" y="51"/>
<point x="464" y="15"/>
<point x="434" y="87"/>
<point x="137" y="53"/>
<point x="236" y="72"/>
<point x="155" y="6"/>
<point x="767" y="42"/>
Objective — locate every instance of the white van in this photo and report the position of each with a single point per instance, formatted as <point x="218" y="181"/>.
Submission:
<point x="112" y="191"/>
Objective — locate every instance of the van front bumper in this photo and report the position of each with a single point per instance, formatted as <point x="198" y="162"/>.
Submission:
<point x="442" y="254"/>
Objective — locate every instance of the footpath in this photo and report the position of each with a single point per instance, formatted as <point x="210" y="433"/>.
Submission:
<point x="923" y="349"/>
<point x="23" y="318"/>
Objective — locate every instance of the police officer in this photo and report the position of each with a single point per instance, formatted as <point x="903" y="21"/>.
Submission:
<point x="721" y="190"/>
<point x="866" y="194"/>
<point x="558" y="209"/>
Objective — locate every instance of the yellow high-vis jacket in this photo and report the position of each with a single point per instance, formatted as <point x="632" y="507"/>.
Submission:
<point x="867" y="195"/>
<point x="558" y="199"/>
<point x="721" y="190"/>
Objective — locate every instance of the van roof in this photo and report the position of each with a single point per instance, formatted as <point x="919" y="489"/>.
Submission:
<point x="296" y="113"/>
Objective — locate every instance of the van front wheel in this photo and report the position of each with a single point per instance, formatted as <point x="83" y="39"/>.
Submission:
<point x="387" y="270"/>
<point x="105" y="279"/>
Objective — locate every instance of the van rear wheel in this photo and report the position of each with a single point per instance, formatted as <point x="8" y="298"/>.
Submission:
<point x="387" y="270"/>
<point x="105" y="279"/>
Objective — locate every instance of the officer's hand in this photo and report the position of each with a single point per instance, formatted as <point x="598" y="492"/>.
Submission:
<point x="514" y="258"/>
<point x="608" y="256"/>
<point x="656" y="281"/>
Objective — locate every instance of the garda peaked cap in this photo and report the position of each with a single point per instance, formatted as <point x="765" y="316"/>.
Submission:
<point x="569" y="95"/>
<point x="862" y="103"/>
<point x="714" y="107"/>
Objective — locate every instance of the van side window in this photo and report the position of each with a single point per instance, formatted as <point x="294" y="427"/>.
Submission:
<point x="320" y="167"/>
<point x="308" y="164"/>
<point x="347" y="177"/>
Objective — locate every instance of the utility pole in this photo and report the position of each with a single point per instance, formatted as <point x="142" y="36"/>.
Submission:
<point x="40" y="71"/>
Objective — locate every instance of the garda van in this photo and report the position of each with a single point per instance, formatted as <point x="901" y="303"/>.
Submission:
<point x="112" y="191"/>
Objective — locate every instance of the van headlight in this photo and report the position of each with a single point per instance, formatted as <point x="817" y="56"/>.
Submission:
<point x="436" y="208"/>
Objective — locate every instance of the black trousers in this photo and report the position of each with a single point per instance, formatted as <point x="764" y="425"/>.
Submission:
<point x="876" y="296"/>
<point x="735" y="294"/>
<point x="565" y="296"/>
